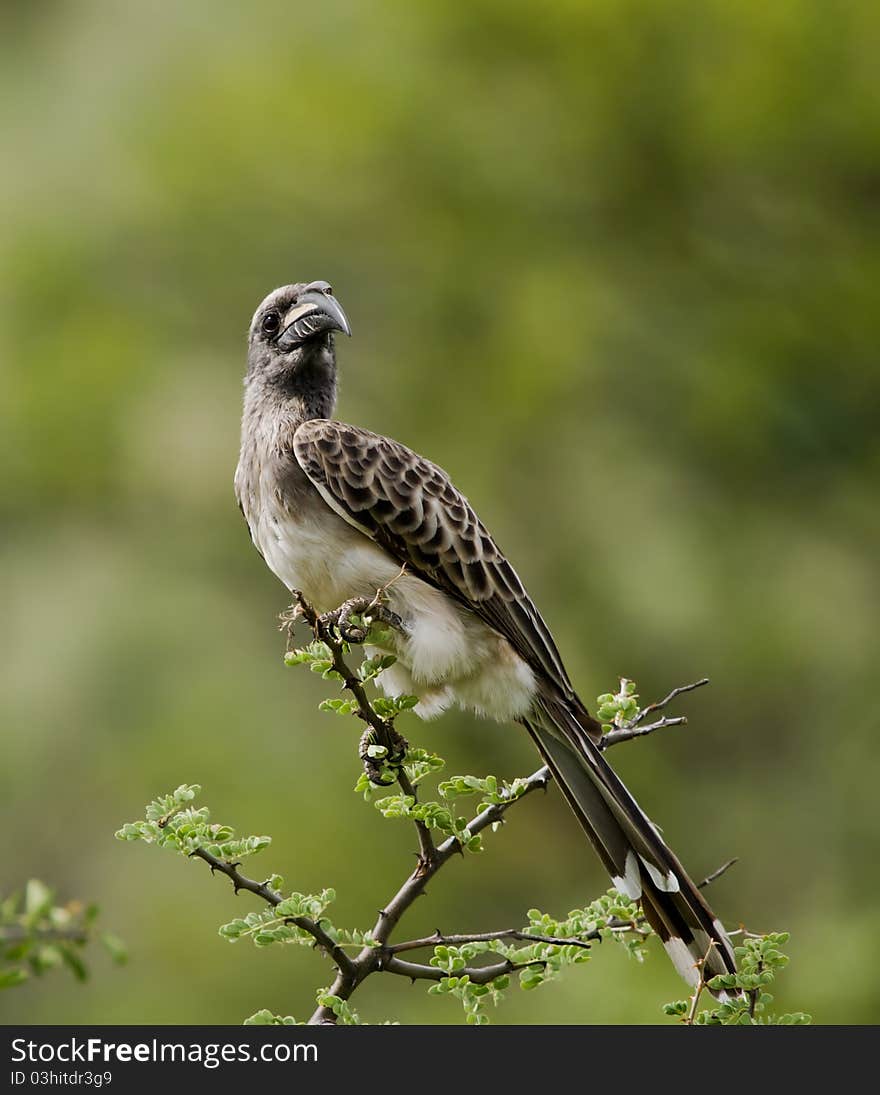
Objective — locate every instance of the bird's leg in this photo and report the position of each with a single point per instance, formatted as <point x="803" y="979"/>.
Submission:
<point x="356" y="633"/>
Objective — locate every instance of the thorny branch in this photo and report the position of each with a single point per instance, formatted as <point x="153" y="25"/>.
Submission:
<point x="352" y="971"/>
<point x="372" y="959"/>
<point x="479" y="975"/>
<point x="698" y="988"/>
<point x="437" y="939"/>
<point x="635" y="729"/>
<point x="381" y="731"/>
<point x="271" y="897"/>
<point x="337" y="629"/>
<point x="668" y="699"/>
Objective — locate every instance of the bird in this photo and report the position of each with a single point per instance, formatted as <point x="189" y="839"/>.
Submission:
<point x="338" y="512"/>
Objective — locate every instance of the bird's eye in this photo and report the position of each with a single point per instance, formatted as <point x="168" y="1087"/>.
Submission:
<point x="329" y="291"/>
<point x="271" y="323"/>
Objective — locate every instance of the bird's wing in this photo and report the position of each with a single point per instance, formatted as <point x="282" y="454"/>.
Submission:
<point x="410" y="507"/>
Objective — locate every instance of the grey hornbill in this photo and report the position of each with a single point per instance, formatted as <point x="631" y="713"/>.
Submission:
<point x="336" y="511"/>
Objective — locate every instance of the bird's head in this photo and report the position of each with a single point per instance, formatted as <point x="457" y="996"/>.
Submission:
<point x="291" y="334"/>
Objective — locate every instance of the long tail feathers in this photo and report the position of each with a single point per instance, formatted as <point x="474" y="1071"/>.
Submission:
<point x="640" y="864"/>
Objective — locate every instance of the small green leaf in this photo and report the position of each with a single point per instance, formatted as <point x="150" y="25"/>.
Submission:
<point x="265" y="1018"/>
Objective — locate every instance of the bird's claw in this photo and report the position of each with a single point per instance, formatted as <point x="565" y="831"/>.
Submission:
<point x="356" y="633"/>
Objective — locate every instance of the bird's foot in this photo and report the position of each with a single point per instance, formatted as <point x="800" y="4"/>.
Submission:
<point x="353" y="619"/>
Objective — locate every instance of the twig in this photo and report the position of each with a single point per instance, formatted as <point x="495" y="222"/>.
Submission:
<point x="717" y="874"/>
<point x="416" y="883"/>
<point x="627" y="731"/>
<point x="386" y="734"/>
<point x="384" y="730"/>
<point x="439" y="940"/>
<point x="667" y="699"/>
<point x="700" y="966"/>
<point x="371" y="956"/>
<point x="384" y="957"/>
<point x="336" y="630"/>
<point x="479" y="975"/>
<point x="371" y="959"/>
<point x="273" y="898"/>
<point x="632" y="730"/>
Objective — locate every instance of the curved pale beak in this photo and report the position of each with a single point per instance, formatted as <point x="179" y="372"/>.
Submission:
<point x="315" y="313"/>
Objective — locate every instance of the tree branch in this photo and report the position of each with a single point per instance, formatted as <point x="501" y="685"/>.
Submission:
<point x="627" y="733"/>
<point x="439" y="940"/>
<point x="271" y="897"/>
<point x="385" y="732"/>
<point x="479" y="975"/>
<point x="416" y="883"/>
<point x="370" y="958"/>
<point x="338" y="631"/>
<point x="700" y="966"/>
<point x="709" y="879"/>
<point x="633" y="728"/>
<point x="668" y="699"/>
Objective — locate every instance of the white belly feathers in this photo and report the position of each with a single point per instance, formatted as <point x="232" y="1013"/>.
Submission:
<point x="446" y="656"/>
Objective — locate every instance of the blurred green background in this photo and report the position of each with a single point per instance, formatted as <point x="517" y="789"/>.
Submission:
<point x="615" y="265"/>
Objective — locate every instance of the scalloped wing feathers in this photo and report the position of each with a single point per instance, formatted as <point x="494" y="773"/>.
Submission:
<point x="409" y="506"/>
